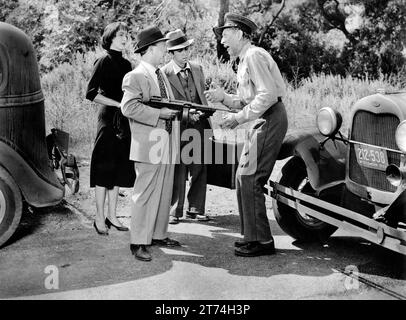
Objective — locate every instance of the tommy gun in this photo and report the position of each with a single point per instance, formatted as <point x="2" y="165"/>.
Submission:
<point x="185" y="108"/>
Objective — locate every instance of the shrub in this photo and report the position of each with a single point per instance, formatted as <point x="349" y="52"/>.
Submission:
<point x="66" y="107"/>
<point x="321" y="90"/>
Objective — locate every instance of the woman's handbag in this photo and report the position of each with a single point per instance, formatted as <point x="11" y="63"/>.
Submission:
<point x="121" y="125"/>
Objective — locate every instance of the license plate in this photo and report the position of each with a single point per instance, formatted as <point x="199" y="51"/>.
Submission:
<point x="371" y="157"/>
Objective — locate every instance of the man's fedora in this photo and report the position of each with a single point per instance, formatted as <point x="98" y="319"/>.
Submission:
<point x="177" y="40"/>
<point x="147" y="37"/>
<point x="238" y="21"/>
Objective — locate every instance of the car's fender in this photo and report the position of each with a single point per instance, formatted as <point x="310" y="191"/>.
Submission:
<point x="397" y="209"/>
<point x="325" y="166"/>
<point x="36" y="189"/>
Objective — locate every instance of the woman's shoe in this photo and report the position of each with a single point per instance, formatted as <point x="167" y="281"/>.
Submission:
<point x="173" y="220"/>
<point x="103" y="233"/>
<point x="109" y="224"/>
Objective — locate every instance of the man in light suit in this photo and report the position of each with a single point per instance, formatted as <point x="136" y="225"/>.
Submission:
<point x="153" y="145"/>
<point x="187" y="82"/>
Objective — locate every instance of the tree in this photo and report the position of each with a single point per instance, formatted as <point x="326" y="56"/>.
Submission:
<point x="6" y="7"/>
<point x="375" y="45"/>
<point x="15" y="13"/>
<point x="268" y="26"/>
<point x="70" y="27"/>
<point x="222" y="53"/>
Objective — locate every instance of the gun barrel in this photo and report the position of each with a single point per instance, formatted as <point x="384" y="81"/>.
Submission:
<point x="158" y="102"/>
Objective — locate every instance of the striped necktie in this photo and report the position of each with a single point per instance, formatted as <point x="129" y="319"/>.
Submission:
<point x="168" y="123"/>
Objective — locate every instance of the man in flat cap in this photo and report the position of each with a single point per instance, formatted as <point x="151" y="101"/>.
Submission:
<point x="153" y="141"/>
<point x="187" y="83"/>
<point x="259" y="97"/>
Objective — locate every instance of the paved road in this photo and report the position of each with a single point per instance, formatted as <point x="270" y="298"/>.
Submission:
<point x="61" y="242"/>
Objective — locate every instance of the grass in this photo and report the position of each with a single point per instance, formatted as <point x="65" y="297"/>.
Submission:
<point x="67" y="109"/>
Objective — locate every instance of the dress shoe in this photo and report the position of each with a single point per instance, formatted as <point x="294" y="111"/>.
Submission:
<point x="240" y="243"/>
<point x="109" y="224"/>
<point x="198" y="217"/>
<point x="202" y="217"/>
<point x="165" y="242"/>
<point x="255" y="249"/>
<point x="101" y="232"/>
<point x="174" y="220"/>
<point x="140" y="252"/>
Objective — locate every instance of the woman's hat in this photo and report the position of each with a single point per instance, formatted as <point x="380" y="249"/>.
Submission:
<point x="147" y="37"/>
<point x="177" y="40"/>
<point x="233" y="20"/>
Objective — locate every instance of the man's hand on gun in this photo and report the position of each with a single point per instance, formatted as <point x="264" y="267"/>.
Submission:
<point x="190" y="112"/>
<point x="194" y="115"/>
<point x="167" y="114"/>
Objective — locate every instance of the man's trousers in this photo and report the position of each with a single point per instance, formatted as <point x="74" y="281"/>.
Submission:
<point x="151" y="202"/>
<point x="257" y="160"/>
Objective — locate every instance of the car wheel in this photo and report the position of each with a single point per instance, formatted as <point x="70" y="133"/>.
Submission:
<point x="11" y="205"/>
<point x="297" y="224"/>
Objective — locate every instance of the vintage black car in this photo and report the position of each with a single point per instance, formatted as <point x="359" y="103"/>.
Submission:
<point x="355" y="182"/>
<point x="330" y="181"/>
<point x="27" y="163"/>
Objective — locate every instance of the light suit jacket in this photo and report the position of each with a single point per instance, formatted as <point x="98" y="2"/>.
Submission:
<point x="198" y="78"/>
<point x="139" y="86"/>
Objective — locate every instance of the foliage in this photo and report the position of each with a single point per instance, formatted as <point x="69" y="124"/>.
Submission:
<point x="70" y="28"/>
<point x="359" y="37"/>
<point x="340" y="93"/>
<point x="379" y="41"/>
<point x="299" y="52"/>
<point x="326" y="58"/>
<point x="7" y="6"/>
<point x="15" y="13"/>
<point x="66" y="107"/>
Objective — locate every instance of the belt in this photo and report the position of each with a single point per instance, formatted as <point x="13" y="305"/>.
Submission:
<point x="270" y="109"/>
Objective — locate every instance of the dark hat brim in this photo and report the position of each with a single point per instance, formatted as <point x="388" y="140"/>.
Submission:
<point x="219" y="30"/>
<point x="145" y="46"/>
<point x="239" y="21"/>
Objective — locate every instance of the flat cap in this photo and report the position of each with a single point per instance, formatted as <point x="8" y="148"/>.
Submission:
<point x="233" y="20"/>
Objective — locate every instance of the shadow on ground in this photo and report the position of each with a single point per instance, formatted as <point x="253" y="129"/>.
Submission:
<point x="85" y="259"/>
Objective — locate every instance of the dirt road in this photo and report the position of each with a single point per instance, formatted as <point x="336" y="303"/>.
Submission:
<point x="56" y="254"/>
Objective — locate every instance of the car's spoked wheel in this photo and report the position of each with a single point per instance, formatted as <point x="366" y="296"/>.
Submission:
<point x="305" y="187"/>
<point x="10" y="206"/>
<point x="298" y="224"/>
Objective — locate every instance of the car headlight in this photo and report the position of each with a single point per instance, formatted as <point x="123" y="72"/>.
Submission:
<point x="400" y="136"/>
<point x="329" y="121"/>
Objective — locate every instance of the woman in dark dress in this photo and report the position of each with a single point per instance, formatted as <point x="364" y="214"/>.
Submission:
<point x="110" y="166"/>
